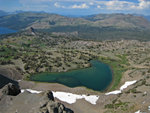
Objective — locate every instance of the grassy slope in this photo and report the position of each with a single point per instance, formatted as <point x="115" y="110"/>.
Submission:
<point x="118" y="68"/>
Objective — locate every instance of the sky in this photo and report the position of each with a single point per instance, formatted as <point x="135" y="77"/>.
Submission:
<point x="78" y="7"/>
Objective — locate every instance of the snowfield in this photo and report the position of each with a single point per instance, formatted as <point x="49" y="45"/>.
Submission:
<point x="126" y="84"/>
<point x="69" y="98"/>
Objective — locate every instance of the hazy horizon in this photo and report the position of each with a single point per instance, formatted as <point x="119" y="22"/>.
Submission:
<point x="70" y="15"/>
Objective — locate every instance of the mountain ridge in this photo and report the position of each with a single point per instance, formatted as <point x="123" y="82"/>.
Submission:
<point x="46" y="20"/>
<point x="98" y="26"/>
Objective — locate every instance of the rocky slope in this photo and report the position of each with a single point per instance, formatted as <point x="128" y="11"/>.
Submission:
<point x="27" y="102"/>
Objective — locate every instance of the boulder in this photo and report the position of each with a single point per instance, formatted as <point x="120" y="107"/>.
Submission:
<point x="54" y="107"/>
<point x="48" y="95"/>
<point x="11" y="89"/>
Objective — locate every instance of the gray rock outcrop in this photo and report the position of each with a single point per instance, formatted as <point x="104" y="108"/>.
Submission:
<point x="48" y="95"/>
<point x="27" y="102"/>
<point x="11" y="89"/>
<point x="54" y="107"/>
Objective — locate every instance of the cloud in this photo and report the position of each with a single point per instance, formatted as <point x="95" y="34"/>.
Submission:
<point x="144" y="4"/>
<point x="91" y="6"/>
<point x="91" y="3"/>
<point x="123" y="5"/>
<point x="58" y="5"/>
<point x="114" y="5"/>
<point x="81" y="6"/>
<point x="75" y="6"/>
<point x="118" y="5"/>
<point x="98" y="6"/>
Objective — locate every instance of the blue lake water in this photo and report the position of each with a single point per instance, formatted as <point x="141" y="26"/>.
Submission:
<point x="4" y="30"/>
<point x="97" y="77"/>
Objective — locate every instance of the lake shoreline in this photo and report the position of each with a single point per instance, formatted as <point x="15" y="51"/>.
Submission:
<point x="31" y="78"/>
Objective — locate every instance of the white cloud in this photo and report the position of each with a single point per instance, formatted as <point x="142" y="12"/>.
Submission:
<point x="91" y="3"/>
<point x="81" y="6"/>
<point x="144" y="4"/>
<point x="98" y="6"/>
<point x="114" y="5"/>
<point x="123" y="5"/>
<point x="58" y="5"/>
<point x="101" y="4"/>
<point x="118" y="5"/>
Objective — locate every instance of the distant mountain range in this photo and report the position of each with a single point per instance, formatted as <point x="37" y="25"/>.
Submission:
<point x="98" y="26"/>
<point x="3" y="13"/>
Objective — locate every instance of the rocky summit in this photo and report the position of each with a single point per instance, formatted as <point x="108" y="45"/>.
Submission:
<point x="27" y="102"/>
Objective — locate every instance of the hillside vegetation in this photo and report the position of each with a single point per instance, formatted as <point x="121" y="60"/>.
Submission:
<point x="26" y="53"/>
<point x="99" y="27"/>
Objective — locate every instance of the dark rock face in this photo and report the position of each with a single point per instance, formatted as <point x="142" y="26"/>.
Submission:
<point x="32" y="29"/>
<point x="48" y="95"/>
<point x="11" y="89"/>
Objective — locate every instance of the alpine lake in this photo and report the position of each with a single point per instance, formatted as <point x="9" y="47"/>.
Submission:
<point x="97" y="77"/>
<point x="4" y="30"/>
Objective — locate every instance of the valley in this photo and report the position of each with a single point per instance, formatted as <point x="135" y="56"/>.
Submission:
<point x="92" y="64"/>
<point x="29" y="52"/>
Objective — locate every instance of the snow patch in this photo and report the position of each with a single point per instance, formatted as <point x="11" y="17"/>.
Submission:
<point x="69" y="98"/>
<point x="138" y="111"/>
<point x="113" y="92"/>
<point x="126" y="84"/>
<point x="22" y="91"/>
<point x="92" y="98"/>
<point x="33" y="91"/>
<point x="148" y="108"/>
